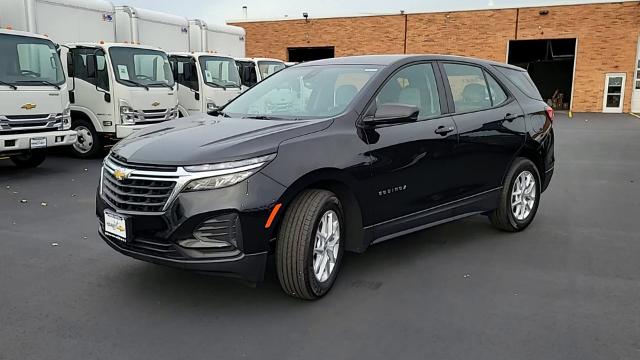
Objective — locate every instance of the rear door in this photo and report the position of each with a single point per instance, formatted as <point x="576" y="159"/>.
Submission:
<point x="491" y="127"/>
<point x="410" y="161"/>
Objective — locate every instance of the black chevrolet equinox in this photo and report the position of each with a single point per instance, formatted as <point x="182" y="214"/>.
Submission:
<point x="326" y="157"/>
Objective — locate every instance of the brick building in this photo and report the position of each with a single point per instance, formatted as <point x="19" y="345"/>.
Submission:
<point x="571" y="51"/>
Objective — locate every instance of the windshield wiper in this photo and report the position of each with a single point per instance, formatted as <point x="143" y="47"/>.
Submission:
<point x="162" y="84"/>
<point x="263" y="117"/>
<point x="45" y="82"/>
<point x="135" y="83"/>
<point x="13" y="87"/>
<point x="216" y="84"/>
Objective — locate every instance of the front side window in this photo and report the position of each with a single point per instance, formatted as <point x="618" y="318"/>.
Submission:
<point x="414" y="85"/>
<point x="80" y="56"/>
<point x="305" y="92"/>
<point x="468" y="87"/>
<point x="29" y="61"/>
<point x="220" y="71"/>
<point x="268" y="68"/>
<point x="247" y="70"/>
<point x="136" y="67"/>
<point x="184" y="72"/>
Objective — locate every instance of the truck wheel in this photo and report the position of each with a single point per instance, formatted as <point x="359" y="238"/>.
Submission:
<point x="519" y="198"/>
<point x="310" y="245"/>
<point x="89" y="143"/>
<point x="29" y="160"/>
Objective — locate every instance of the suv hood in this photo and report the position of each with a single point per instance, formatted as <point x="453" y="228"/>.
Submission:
<point x="203" y="139"/>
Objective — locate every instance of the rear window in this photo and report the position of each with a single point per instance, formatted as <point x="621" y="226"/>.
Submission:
<point x="522" y="81"/>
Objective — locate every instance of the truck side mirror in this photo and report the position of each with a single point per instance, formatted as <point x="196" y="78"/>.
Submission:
<point x="70" y="68"/>
<point x="92" y="65"/>
<point x="253" y="76"/>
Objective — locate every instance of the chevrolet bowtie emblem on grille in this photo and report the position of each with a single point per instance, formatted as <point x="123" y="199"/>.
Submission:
<point x="155" y="103"/>
<point x="120" y="174"/>
<point x="28" y="106"/>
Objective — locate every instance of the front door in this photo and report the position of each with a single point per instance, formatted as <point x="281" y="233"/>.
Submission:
<point x="188" y="88"/>
<point x="88" y="88"/>
<point x="410" y="161"/>
<point x="613" y="93"/>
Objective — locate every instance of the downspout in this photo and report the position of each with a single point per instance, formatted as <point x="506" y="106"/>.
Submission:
<point x="405" y="32"/>
<point x="517" y="20"/>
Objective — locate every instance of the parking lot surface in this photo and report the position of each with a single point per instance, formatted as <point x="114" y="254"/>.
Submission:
<point x="566" y="288"/>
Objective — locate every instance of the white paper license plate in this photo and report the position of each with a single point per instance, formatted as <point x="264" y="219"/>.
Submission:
<point x="38" y="143"/>
<point x="115" y="225"/>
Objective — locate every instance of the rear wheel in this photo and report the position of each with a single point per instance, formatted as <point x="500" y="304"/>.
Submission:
<point x="310" y="245"/>
<point x="29" y="160"/>
<point x="89" y="143"/>
<point x="519" y="198"/>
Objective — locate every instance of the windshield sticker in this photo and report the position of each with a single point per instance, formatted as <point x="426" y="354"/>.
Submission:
<point x="371" y="70"/>
<point x="123" y="72"/>
<point x="208" y="76"/>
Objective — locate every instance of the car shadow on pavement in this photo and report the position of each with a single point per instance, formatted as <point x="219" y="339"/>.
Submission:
<point x="152" y="283"/>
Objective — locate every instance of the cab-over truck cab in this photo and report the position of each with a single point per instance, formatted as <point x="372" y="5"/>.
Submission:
<point x="116" y="89"/>
<point x="206" y="81"/>
<point x="254" y="70"/>
<point x="34" y="102"/>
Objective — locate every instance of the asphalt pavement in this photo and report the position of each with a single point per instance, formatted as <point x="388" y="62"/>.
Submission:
<point x="566" y="288"/>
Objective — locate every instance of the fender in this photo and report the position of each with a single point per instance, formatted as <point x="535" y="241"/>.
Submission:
<point x="90" y="115"/>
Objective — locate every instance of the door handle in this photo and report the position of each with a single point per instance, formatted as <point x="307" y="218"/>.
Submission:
<point x="444" y="130"/>
<point x="510" y="117"/>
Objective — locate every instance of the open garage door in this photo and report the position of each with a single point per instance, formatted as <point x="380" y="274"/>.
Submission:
<point x="550" y="64"/>
<point x="301" y="54"/>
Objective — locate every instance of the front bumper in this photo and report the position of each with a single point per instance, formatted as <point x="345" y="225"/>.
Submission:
<point x="163" y="238"/>
<point x="20" y="142"/>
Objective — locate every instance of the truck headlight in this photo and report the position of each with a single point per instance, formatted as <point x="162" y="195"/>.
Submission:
<point x="225" y="174"/>
<point x="127" y="115"/>
<point x="66" y="119"/>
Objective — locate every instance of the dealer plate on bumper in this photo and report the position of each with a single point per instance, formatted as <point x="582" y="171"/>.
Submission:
<point x="39" y="143"/>
<point x="116" y="225"/>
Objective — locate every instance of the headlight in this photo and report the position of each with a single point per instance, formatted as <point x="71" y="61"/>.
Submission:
<point x="226" y="174"/>
<point x="66" y="119"/>
<point x="127" y="114"/>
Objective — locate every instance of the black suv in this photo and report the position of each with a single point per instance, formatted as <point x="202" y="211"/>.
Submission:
<point x="327" y="157"/>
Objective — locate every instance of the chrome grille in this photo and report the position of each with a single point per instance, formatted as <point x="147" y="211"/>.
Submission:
<point x="141" y="190"/>
<point x="32" y="123"/>
<point x="156" y="115"/>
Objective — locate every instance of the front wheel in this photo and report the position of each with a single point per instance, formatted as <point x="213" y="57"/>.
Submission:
<point x="310" y="244"/>
<point x="519" y="198"/>
<point x="89" y="143"/>
<point x="29" y="160"/>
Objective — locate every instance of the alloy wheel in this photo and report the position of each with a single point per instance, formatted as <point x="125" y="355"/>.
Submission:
<point x="326" y="246"/>
<point x="523" y="195"/>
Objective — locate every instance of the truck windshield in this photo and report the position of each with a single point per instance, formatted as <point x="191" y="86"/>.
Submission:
<point x="304" y="92"/>
<point x="268" y="68"/>
<point x="141" y="67"/>
<point x="219" y="71"/>
<point x="28" y="61"/>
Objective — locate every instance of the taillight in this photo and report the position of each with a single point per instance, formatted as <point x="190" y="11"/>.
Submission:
<point x="549" y="111"/>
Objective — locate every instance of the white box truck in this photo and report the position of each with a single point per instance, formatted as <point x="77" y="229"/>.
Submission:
<point x="254" y="70"/>
<point x="141" y="26"/>
<point x="207" y="81"/>
<point x="114" y="88"/>
<point x="34" y="101"/>
<point x="221" y="39"/>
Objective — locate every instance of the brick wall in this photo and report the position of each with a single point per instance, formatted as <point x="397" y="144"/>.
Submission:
<point x="607" y="38"/>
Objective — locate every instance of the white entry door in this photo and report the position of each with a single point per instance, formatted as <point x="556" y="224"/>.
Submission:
<point x="613" y="93"/>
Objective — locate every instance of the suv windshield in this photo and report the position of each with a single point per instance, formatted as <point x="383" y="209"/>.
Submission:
<point x="29" y="61"/>
<point x="219" y="71"/>
<point x="303" y="92"/>
<point x="268" y="68"/>
<point x="141" y="66"/>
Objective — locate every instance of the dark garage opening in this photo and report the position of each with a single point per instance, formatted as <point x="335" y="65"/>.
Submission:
<point x="550" y="65"/>
<point x="301" y="54"/>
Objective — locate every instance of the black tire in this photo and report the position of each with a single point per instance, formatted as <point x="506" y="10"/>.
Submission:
<point x="96" y="143"/>
<point x="30" y="159"/>
<point x="295" y="243"/>
<point x="503" y="217"/>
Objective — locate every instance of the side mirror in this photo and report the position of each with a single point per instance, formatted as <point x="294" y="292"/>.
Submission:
<point x="70" y="68"/>
<point x="394" y="114"/>
<point x="253" y="77"/>
<point x="92" y="65"/>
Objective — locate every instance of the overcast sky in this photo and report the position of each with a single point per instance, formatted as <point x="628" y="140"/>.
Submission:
<point x="217" y="11"/>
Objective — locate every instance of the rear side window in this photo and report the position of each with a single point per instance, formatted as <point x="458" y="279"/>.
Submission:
<point x="468" y="87"/>
<point x="498" y="96"/>
<point x="522" y="81"/>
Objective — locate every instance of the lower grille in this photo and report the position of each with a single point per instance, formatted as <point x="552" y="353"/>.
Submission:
<point x="155" y="247"/>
